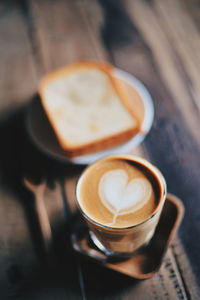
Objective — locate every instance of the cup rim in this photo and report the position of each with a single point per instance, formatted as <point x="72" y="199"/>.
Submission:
<point x="145" y="163"/>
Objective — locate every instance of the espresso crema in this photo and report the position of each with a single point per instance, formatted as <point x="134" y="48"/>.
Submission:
<point x="118" y="193"/>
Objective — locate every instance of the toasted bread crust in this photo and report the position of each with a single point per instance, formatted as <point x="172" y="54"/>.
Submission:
<point x="105" y="143"/>
<point x="101" y="144"/>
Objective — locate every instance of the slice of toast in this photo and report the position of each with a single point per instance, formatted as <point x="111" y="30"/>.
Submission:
<point x="87" y="109"/>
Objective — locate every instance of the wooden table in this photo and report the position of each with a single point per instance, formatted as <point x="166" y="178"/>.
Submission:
<point x="157" y="41"/>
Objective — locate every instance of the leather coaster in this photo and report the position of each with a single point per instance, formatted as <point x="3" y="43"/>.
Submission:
<point x="147" y="260"/>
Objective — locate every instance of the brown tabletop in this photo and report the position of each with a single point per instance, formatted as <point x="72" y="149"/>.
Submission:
<point x="158" y="42"/>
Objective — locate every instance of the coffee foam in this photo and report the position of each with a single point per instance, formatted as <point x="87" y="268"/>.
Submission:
<point x="121" y="196"/>
<point x="116" y="193"/>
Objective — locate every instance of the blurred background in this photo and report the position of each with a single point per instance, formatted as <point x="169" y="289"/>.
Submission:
<point x="158" y="42"/>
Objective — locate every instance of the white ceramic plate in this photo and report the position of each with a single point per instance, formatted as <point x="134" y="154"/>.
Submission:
<point x="44" y="138"/>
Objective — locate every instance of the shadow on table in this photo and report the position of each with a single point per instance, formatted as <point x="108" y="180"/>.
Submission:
<point x="20" y="159"/>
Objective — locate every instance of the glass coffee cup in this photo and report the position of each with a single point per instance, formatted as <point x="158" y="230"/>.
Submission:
<point x="106" y="189"/>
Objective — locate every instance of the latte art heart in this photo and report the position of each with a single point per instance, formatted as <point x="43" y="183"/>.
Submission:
<point x="121" y="196"/>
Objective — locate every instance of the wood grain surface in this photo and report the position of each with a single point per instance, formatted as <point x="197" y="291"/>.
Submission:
<point x="158" y="42"/>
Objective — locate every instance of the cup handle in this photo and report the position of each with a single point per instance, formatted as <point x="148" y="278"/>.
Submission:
<point x="88" y="251"/>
